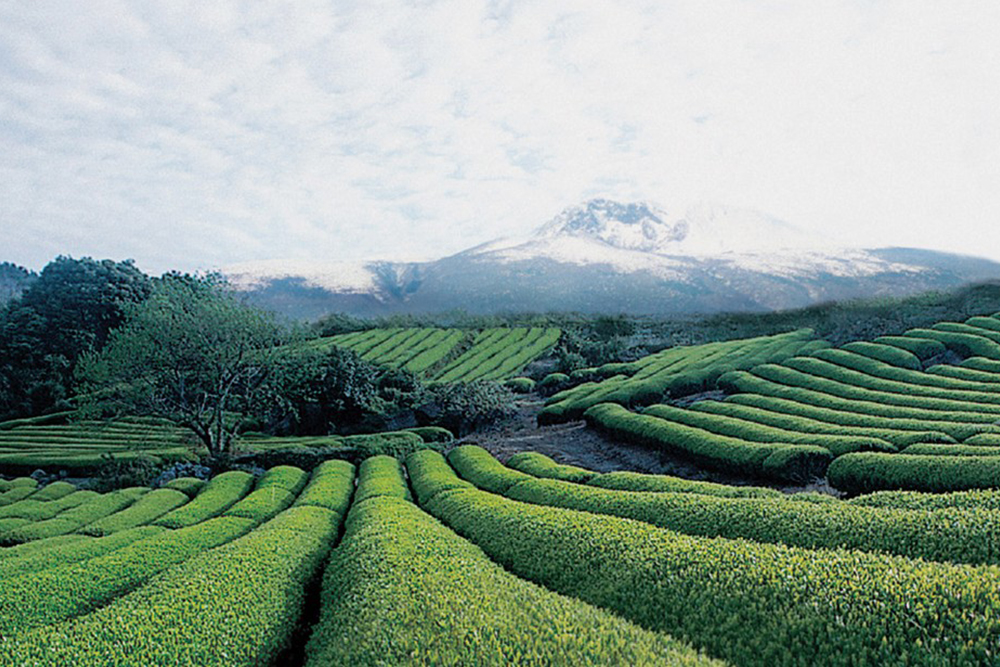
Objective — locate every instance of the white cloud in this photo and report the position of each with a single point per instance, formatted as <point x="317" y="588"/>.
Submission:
<point x="190" y="134"/>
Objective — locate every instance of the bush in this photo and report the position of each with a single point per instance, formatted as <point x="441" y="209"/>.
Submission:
<point x="464" y="407"/>
<point x="478" y="466"/>
<point x="916" y="500"/>
<point x="540" y="465"/>
<point x="75" y="518"/>
<point x="430" y="474"/>
<point x="432" y="434"/>
<point x="381" y="476"/>
<point x="787" y="462"/>
<point x="403" y="589"/>
<point x="330" y="487"/>
<point x="222" y="492"/>
<point x="151" y="506"/>
<point x="187" y="485"/>
<point x="520" y="385"/>
<point x="748" y="603"/>
<point x="869" y="471"/>
<point x="624" y="480"/>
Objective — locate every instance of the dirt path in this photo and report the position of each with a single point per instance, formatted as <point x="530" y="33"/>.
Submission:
<point x="576" y="444"/>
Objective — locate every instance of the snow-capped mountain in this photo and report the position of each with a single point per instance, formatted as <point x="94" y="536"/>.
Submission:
<point x="606" y="256"/>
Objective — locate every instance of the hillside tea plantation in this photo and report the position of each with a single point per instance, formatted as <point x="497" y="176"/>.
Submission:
<point x="408" y="548"/>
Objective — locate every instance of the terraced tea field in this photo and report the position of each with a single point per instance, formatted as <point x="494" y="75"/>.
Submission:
<point x="450" y="355"/>
<point x="463" y="560"/>
<point x="869" y="415"/>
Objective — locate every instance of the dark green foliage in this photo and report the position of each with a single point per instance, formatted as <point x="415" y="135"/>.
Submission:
<point x="53" y="491"/>
<point x="922" y="348"/>
<point x="398" y="443"/>
<point x="56" y="551"/>
<point x="403" y="589"/>
<point x="67" y="311"/>
<point x="916" y="500"/>
<point x="895" y="356"/>
<point x="540" y="465"/>
<point x="466" y="406"/>
<point x="775" y="460"/>
<point x="869" y="471"/>
<point x="432" y="433"/>
<point x="520" y="385"/>
<point x="751" y="604"/>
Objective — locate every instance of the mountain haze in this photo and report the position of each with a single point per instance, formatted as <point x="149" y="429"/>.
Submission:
<point x="606" y="256"/>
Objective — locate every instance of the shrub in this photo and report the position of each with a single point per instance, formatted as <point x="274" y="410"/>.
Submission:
<point x="896" y="356"/>
<point x="633" y="481"/>
<point x="187" y="485"/>
<point x="540" y="465"/>
<point x="916" y="500"/>
<point x="77" y="517"/>
<point x="151" y="506"/>
<point x="235" y="605"/>
<point x="922" y="348"/>
<point x="432" y="434"/>
<point x="53" y="491"/>
<point x="218" y="495"/>
<point x="381" y="476"/>
<point x="330" y="487"/>
<point x="430" y="474"/>
<point x="748" y="603"/>
<point x="478" y="466"/>
<point x="403" y="589"/>
<point x="520" y="385"/>
<point x="775" y="460"/>
<point x="869" y="471"/>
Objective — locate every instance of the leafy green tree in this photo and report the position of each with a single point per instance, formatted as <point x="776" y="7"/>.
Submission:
<point x="193" y="353"/>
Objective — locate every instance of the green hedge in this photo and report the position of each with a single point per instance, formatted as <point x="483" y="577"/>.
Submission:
<point x="624" y="480"/>
<point x="330" y="487"/>
<point x="775" y="460"/>
<point x="869" y="471"/>
<point x="922" y="348"/>
<point x="478" y="466"/>
<point x="187" y="485"/>
<point x="238" y="604"/>
<point x="52" y="595"/>
<point x="754" y="432"/>
<point x="222" y="492"/>
<point x="403" y="589"/>
<point x="39" y="510"/>
<point x="916" y="500"/>
<point x="539" y="465"/>
<point x="394" y="443"/>
<point x="381" y="476"/>
<point x="432" y="434"/>
<point x="430" y="474"/>
<point x="146" y="509"/>
<point x="952" y="450"/>
<point x="895" y="356"/>
<point x="53" y="491"/>
<point x="964" y="344"/>
<point x="520" y="385"/>
<point x="65" y="553"/>
<point x="73" y="519"/>
<point x="774" y="416"/>
<point x="924" y="380"/>
<point x="950" y="536"/>
<point x="748" y="603"/>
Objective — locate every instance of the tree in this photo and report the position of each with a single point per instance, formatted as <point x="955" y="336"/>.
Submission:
<point x="193" y="353"/>
<point x="67" y="310"/>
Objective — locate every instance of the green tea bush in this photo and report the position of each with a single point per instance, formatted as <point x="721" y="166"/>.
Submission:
<point x="917" y="500"/>
<point x="433" y="434"/>
<point x="624" y="480"/>
<point x="39" y="510"/>
<point x="478" y="466"/>
<point x="520" y="385"/>
<point x="330" y="487"/>
<point x="403" y="589"/>
<point x="431" y="474"/>
<point x="53" y="491"/>
<point x="869" y="471"/>
<point x="151" y="506"/>
<point x="65" y="553"/>
<point x="921" y="348"/>
<point x="894" y="356"/>
<point x="748" y="603"/>
<point x="952" y="450"/>
<point x="540" y="465"/>
<point x="775" y="460"/>
<point x="754" y="432"/>
<point x="219" y="494"/>
<point x="381" y="476"/>
<point x="234" y="605"/>
<point x="190" y="486"/>
<point x="73" y="519"/>
<point x="954" y="536"/>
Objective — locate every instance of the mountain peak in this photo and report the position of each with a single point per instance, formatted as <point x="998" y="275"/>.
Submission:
<point x="629" y="226"/>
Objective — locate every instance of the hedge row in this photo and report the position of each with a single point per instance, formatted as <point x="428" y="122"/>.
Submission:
<point x="965" y="344"/>
<point x="330" y="487"/>
<point x="221" y="493"/>
<point x="52" y="595"/>
<point x="952" y="450"/>
<point x="870" y="471"/>
<point x="381" y="476"/>
<point x="749" y="603"/>
<point x="775" y="460"/>
<point x="523" y="356"/>
<point x="916" y="500"/>
<point x="923" y="382"/>
<point x="540" y="465"/>
<point x="754" y="432"/>
<point x="624" y="480"/>
<point x="146" y="509"/>
<point x="190" y="486"/>
<point x="955" y="536"/>
<point x="76" y="518"/>
<point x="404" y="589"/>
<point x="430" y="474"/>
<point x="807" y="403"/>
<point x="744" y="407"/>
<point x="430" y="357"/>
<point x="38" y="510"/>
<point x="235" y="605"/>
<point x="963" y="373"/>
<point x="478" y="466"/>
<point x="957" y="410"/>
<point x="64" y="553"/>
<point x="894" y="356"/>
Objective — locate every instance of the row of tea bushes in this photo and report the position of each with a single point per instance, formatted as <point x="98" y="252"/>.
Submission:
<point x="749" y="603"/>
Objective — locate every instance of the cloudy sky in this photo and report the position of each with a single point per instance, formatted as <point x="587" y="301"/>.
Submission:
<point x="197" y="134"/>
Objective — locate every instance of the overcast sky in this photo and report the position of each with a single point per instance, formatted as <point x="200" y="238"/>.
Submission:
<point x="197" y="134"/>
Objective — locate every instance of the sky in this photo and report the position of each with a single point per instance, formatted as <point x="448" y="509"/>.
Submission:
<point x="194" y="135"/>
